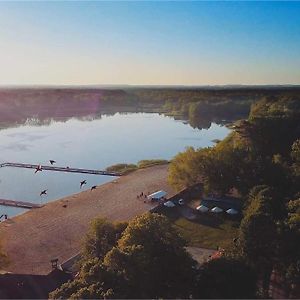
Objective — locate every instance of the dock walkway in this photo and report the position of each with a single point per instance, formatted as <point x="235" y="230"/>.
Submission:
<point x="57" y="230"/>
<point x="60" y="169"/>
<point x="21" y="204"/>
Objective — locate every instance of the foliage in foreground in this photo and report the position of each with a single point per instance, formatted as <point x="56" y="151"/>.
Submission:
<point x="225" y="278"/>
<point x="147" y="259"/>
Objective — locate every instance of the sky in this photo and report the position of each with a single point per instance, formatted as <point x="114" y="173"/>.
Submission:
<point x="149" y="43"/>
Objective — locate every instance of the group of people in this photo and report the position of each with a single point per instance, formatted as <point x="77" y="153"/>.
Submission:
<point x="142" y="195"/>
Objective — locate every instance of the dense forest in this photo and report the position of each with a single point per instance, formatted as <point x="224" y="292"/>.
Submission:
<point x="261" y="160"/>
<point x="200" y="106"/>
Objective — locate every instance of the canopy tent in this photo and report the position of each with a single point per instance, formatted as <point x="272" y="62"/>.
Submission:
<point x="216" y="209"/>
<point x="157" y="195"/>
<point x="232" y="211"/>
<point x="202" y="208"/>
<point x="169" y="204"/>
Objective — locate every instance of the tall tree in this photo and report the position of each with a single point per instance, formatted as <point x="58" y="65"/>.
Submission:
<point x="225" y="278"/>
<point x="148" y="261"/>
<point x="152" y="257"/>
<point x="101" y="237"/>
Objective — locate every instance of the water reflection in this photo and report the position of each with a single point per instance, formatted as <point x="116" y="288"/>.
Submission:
<point x="88" y="141"/>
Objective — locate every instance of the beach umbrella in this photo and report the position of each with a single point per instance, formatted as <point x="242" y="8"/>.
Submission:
<point x="169" y="204"/>
<point x="232" y="211"/>
<point x="216" y="209"/>
<point x="202" y="208"/>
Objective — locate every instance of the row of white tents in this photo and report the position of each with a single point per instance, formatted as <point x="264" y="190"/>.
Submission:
<point x="216" y="209"/>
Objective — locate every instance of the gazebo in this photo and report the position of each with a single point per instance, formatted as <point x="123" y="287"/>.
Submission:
<point x="232" y="211"/>
<point x="216" y="210"/>
<point x="202" y="208"/>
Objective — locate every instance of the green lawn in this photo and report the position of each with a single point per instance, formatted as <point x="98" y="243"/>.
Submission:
<point x="207" y="231"/>
<point x="205" y="236"/>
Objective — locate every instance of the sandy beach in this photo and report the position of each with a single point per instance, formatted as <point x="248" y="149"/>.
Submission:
<point x="56" y="230"/>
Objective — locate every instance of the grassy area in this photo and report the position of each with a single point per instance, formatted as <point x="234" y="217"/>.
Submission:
<point x="127" y="168"/>
<point x="206" y="231"/>
<point x="205" y="236"/>
<point x="122" y="168"/>
<point x="151" y="162"/>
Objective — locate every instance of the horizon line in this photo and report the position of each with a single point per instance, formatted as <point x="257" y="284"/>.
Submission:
<point x="142" y="85"/>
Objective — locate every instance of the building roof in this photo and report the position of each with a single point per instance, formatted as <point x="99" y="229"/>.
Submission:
<point x="26" y="286"/>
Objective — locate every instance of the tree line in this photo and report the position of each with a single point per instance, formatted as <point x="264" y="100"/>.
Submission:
<point x="261" y="160"/>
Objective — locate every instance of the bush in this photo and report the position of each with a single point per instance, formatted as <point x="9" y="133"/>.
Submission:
<point x="151" y="162"/>
<point x="122" y="168"/>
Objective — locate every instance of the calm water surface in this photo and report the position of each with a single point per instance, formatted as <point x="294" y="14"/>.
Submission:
<point x="95" y="144"/>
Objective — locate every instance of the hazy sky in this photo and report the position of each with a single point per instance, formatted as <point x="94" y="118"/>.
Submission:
<point x="149" y="43"/>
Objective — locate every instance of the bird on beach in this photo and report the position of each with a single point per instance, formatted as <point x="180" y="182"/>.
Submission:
<point x="44" y="192"/>
<point x="82" y="183"/>
<point x="52" y="161"/>
<point x="93" y="187"/>
<point x="38" y="168"/>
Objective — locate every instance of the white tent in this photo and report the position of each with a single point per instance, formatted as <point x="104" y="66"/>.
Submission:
<point x="216" y="209"/>
<point x="169" y="204"/>
<point x="202" y="208"/>
<point x="232" y="211"/>
<point x="157" y="195"/>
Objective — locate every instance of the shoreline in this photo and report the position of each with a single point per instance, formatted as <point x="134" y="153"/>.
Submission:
<point x="56" y="230"/>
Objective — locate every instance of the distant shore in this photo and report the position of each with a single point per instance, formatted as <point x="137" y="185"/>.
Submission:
<point x="56" y="230"/>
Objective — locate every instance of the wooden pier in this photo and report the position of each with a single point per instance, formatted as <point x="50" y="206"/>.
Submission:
<point x="60" y="169"/>
<point x="20" y="204"/>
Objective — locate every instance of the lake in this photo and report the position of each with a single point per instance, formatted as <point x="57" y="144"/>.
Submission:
<point x="89" y="142"/>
